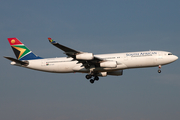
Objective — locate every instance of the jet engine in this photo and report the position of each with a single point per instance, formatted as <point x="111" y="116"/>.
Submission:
<point x="85" y="56"/>
<point x="109" y="64"/>
<point x="116" y="73"/>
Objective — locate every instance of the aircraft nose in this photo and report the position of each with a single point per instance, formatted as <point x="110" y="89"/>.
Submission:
<point x="176" y="57"/>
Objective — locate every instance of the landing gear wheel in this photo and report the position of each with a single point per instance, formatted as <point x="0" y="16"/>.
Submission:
<point x="159" y="71"/>
<point x="88" y="76"/>
<point x="96" y="78"/>
<point x="92" y="81"/>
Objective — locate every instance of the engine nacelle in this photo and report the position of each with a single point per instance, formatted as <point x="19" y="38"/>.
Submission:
<point x="85" y="56"/>
<point x="102" y="74"/>
<point x="116" y="73"/>
<point x="109" y="64"/>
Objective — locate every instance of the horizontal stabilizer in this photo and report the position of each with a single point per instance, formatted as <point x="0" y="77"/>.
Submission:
<point x="25" y="63"/>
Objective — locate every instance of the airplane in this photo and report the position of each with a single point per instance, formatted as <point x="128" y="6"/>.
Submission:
<point x="94" y="66"/>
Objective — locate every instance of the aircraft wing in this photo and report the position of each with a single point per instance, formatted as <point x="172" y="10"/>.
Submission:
<point x="74" y="53"/>
<point x="68" y="51"/>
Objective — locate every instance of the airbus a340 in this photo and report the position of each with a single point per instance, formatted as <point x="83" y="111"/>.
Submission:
<point x="83" y="62"/>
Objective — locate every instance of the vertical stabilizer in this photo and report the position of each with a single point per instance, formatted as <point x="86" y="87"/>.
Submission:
<point x="21" y="51"/>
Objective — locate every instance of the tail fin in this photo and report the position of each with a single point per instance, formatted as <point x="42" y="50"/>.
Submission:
<point x="21" y="51"/>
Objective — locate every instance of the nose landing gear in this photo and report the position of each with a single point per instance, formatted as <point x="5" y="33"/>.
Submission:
<point x="159" y="70"/>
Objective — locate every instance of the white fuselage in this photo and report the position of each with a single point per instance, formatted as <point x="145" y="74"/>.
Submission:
<point x="124" y="61"/>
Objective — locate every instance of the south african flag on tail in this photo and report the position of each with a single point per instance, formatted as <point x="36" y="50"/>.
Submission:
<point x="21" y="51"/>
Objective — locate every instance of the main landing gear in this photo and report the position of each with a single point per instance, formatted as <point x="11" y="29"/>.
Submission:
<point x="89" y="76"/>
<point x="159" y="70"/>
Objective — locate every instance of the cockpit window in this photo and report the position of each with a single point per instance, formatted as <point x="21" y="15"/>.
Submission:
<point x="170" y="54"/>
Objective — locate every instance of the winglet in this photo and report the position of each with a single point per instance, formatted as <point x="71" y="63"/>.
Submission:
<point x="51" y="40"/>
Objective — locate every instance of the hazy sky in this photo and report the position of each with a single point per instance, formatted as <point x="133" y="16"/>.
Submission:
<point x="98" y="26"/>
